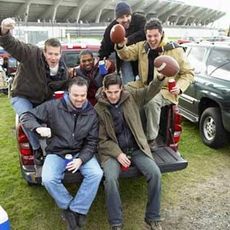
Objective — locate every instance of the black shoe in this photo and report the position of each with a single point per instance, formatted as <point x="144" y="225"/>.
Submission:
<point x="80" y="219"/>
<point x="38" y="157"/>
<point x="69" y="217"/>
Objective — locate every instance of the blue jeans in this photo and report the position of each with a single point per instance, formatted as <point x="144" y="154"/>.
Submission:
<point x="22" y="105"/>
<point x="127" y="72"/>
<point x="53" y="174"/>
<point x="152" y="173"/>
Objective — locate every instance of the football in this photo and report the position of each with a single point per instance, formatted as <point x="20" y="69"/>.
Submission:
<point x="117" y="33"/>
<point x="166" y="65"/>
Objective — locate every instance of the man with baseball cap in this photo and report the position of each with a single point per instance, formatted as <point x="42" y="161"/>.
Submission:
<point x="134" y="27"/>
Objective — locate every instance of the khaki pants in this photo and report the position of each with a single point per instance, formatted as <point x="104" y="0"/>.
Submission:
<point x="152" y="112"/>
<point x="2" y="78"/>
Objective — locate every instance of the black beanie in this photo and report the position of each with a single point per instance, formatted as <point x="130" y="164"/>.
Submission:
<point x="121" y="9"/>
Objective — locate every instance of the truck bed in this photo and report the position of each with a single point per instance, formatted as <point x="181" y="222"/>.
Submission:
<point x="167" y="159"/>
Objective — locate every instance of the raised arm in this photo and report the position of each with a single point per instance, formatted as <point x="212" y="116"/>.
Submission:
<point x="19" y="50"/>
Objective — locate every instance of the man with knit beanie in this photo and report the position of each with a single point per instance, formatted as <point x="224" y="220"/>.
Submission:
<point x="134" y="27"/>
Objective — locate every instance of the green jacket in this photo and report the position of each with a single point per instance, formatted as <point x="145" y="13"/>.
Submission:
<point x="131" y="101"/>
<point x="139" y="51"/>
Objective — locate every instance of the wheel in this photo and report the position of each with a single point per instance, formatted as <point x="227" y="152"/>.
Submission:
<point x="211" y="128"/>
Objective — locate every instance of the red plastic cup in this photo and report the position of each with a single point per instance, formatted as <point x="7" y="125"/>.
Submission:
<point x="58" y="94"/>
<point x="124" y="169"/>
<point x="171" y="84"/>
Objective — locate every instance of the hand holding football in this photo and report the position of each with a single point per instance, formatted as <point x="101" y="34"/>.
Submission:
<point x="117" y="34"/>
<point x="166" y="65"/>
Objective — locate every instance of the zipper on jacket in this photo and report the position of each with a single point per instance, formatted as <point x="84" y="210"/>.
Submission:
<point x="75" y="124"/>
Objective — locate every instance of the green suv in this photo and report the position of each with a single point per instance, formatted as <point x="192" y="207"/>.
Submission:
<point x="207" y="100"/>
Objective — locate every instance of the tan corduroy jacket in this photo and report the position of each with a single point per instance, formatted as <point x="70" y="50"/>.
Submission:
<point x="139" y="51"/>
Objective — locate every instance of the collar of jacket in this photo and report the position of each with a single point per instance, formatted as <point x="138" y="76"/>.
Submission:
<point x="101" y="98"/>
<point x="90" y="74"/>
<point x="159" y="49"/>
<point x="66" y="105"/>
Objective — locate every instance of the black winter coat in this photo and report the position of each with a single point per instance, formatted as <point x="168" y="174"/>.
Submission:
<point x="72" y="131"/>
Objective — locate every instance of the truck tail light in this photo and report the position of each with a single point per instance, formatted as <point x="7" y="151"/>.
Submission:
<point x="26" y="152"/>
<point x="177" y="133"/>
<point x="177" y="129"/>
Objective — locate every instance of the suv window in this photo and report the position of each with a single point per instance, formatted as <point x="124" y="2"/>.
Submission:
<point x="218" y="64"/>
<point x="195" y="56"/>
<point x="71" y="58"/>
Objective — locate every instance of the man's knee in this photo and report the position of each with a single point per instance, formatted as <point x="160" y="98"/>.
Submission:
<point x="50" y="179"/>
<point x="111" y="175"/>
<point x="98" y="174"/>
<point x="152" y="105"/>
<point x="154" y="171"/>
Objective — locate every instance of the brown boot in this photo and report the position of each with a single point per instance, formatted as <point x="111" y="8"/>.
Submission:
<point x="153" y="225"/>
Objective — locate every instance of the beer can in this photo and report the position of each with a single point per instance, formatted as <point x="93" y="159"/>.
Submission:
<point x="102" y="68"/>
<point x="68" y="158"/>
<point x="171" y="84"/>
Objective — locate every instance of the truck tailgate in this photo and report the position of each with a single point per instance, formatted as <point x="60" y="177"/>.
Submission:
<point x="167" y="159"/>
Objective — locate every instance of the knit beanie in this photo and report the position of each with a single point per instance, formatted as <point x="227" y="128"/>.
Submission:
<point x="121" y="9"/>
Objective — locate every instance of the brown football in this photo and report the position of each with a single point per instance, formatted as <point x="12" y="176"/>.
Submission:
<point x="117" y="33"/>
<point x="166" y="65"/>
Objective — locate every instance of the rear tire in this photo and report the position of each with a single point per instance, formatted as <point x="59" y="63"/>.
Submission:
<point x="211" y="128"/>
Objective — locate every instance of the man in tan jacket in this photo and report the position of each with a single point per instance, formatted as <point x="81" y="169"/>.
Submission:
<point x="145" y="52"/>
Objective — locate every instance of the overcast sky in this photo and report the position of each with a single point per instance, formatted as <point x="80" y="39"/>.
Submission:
<point x="223" y="5"/>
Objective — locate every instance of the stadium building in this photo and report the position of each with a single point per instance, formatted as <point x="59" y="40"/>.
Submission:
<point x="89" y="17"/>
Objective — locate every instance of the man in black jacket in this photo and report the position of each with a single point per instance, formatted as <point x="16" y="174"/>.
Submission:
<point x="134" y="27"/>
<point x="72" y="128"/>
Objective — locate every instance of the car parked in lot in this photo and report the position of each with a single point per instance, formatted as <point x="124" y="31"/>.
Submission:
<point x="207" y="100"/>
<point x="166" y="156"/>
<point x="10" y="63"/>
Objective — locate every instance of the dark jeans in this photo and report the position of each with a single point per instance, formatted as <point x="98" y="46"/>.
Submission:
<point x="152" y="173"/>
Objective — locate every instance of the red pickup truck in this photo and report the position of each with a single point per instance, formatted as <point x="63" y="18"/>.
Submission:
<point x="166" y="156"/>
